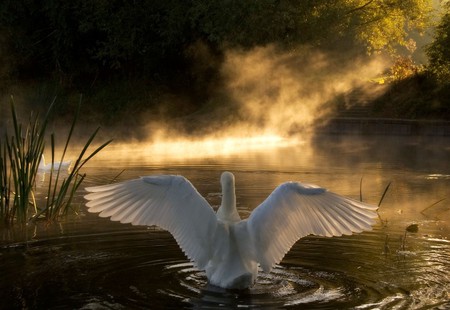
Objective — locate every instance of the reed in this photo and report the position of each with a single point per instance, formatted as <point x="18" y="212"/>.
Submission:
<point x="384" y="193"/>
<point x="5" y="182"/>
<point x="382" y="196"/>
<point x="20" y="155"/>
<point x="381" y="199"/>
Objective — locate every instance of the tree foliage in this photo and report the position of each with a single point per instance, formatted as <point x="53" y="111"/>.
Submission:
<point x="150" y="37"/>
<point x="386" y="24"/>
<point x="439" y="50"/>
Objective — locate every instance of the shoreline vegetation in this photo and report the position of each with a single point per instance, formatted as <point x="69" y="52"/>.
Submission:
<point x="127" y="111"/>
<point x="181" y="70"/>
<point x="21" y="152"/>
<point x="188" y="64"/>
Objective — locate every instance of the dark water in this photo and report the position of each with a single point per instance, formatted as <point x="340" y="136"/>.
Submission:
<point x="86" y="262"/>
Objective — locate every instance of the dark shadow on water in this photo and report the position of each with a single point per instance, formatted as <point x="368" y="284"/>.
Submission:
<point x="88" y="262"/>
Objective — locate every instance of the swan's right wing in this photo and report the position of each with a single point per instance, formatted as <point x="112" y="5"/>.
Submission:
<point x="295" y="210"/>
<point x="170" y="202"/>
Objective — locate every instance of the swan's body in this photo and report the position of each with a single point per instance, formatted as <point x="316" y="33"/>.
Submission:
<point x="228" y="248"/>
<point x="43" y="167"/>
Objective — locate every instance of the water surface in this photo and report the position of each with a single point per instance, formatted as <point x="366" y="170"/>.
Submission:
<point x="86" y="262"/>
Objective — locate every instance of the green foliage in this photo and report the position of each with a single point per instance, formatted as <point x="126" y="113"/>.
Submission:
<point x="377" y="24"/>
<point x="60" y="193"/>
<point x="385" y="24"/>
<point x="439" y="50"/>
<point x="81" y="40"/>
<point x="20" y="156"/>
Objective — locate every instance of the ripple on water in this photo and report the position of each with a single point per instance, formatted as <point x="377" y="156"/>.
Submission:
<point x="282" y="287"/>
<point x="146" y="269"/>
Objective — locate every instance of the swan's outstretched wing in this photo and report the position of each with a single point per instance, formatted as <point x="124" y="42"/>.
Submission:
<point x="295" y="210"/>
<point x="170" y="202"/>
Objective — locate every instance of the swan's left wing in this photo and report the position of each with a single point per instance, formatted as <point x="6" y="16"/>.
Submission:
<point x="295" y="210"/>
<point x="170" y="202"/>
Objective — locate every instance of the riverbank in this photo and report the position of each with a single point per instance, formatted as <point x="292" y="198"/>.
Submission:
<point x="385" y="126"/>
<point x="130" y="110"/>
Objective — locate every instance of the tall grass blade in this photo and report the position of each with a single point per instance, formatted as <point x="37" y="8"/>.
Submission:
<point x="20" y="155"/>
<point x="360" y="190"/>
<point x="384" y="193"/>
<point x="424" y="211"/>
<point x="61" y="194"/>
<point x="23" y="151"/>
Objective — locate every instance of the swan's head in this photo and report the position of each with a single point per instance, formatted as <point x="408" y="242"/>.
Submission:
<point x="227" y="179"/>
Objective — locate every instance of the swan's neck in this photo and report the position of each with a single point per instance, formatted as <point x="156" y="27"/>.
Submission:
<point x="42" y="162"/>
<point x="227" y="211"/>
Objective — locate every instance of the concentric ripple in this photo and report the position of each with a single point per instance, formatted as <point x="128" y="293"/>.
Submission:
<point x="281" y="287"/>
<point x="145" y="269"/>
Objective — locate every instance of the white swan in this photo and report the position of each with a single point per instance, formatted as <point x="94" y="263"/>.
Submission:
<point x="228" y="248"/>
<point x="43" y="167"/>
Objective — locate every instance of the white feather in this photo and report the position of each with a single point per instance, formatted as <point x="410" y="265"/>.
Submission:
<point x="170" y="202"/>
<point x="228" y="248"/>
<point x="295" y="210"/>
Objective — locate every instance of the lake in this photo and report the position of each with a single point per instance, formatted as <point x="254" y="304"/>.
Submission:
<point x="87" y="262"/>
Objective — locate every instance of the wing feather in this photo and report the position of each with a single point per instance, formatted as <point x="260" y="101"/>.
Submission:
<point x="295" y="210"/>
<point x="170" y="202"/>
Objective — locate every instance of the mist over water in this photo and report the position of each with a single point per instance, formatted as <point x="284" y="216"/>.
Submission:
<point x="88" y="262"/>
<point x="268" y="138"/>
<point x="287" y="92"/>
<point x="263" y="91"/>
<point x="268" y="92"/>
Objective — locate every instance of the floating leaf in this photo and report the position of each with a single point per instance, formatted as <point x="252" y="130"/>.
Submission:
<point x="413" y="228"/>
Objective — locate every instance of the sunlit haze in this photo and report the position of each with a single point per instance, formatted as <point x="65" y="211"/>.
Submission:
<point x="185" y="148"/>
<point x="287" y="92"/>
<point x="278" y="98"/>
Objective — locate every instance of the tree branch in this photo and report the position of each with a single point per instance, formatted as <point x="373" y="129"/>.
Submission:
<point x="359" y="8"/>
